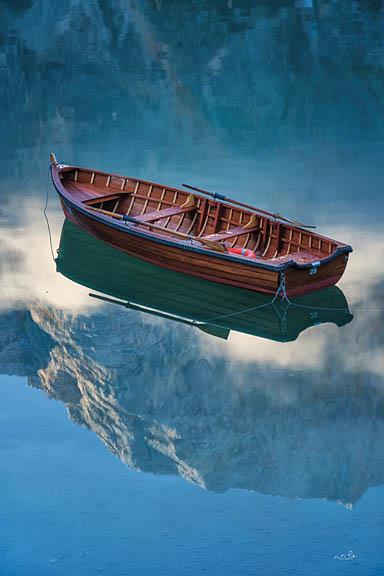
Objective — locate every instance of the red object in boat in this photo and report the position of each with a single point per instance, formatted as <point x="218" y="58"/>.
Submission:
<point x="246" y="252"/>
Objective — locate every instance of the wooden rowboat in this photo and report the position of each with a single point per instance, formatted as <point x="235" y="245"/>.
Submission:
<point x="208" y="306"/>
<point x="212" y="237"/>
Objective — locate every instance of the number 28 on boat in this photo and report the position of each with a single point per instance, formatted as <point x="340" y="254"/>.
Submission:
<point x="199" y="233"/>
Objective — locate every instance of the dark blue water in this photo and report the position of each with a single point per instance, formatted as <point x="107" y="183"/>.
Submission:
<point x="132" y="444"/>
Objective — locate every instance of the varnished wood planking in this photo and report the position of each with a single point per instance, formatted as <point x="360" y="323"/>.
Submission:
<point x="124" y="195"/>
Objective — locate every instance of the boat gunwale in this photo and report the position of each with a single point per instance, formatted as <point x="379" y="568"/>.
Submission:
<point x="56" y="169"/>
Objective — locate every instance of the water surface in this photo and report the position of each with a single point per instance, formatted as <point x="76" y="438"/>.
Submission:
<point x="137" y="444"/>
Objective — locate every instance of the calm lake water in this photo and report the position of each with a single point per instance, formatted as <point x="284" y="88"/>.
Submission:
<point x="132" y="443"/>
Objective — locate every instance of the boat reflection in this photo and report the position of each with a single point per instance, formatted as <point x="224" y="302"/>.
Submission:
<point x="213" y="308"/>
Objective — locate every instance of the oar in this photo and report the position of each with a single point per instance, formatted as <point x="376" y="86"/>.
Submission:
<point x="244" y="205"/>
<point x="141" y="308"/>
<point x="209" y="243"/>
<point x="217" y="331"/>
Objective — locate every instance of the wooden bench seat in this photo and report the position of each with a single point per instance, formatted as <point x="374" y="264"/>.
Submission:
<point x="231" y="233"/>
<point x="106" y="198"/>
<point x="165" y="213"/>
<point x="188" y="206"/>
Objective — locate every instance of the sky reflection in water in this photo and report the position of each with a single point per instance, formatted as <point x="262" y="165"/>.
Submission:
<point x="278" y="104"/>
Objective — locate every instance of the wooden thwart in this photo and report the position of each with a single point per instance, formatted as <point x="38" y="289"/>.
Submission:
<point x="166" y="212"/>
<point x="232" y="233"/>
<point x="106" y="198"/>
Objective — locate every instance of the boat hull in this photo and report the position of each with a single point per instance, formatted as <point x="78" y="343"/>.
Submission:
<point x="211" y="307"/>
<point x="205" y="266"/>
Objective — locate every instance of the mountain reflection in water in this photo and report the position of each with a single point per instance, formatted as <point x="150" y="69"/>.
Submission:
<point x="167" y="399"/>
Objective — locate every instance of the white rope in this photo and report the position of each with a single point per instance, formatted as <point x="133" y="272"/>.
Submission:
<point x="46" y="217"/>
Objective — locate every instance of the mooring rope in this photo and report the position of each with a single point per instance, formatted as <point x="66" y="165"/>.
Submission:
<point x="46" y="216"/>
<point x="281" y="290"/>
